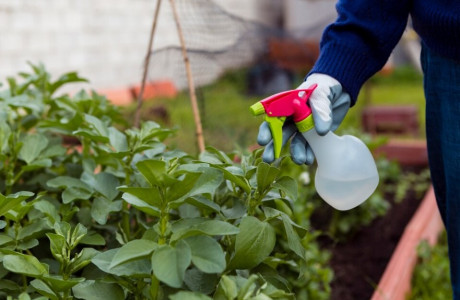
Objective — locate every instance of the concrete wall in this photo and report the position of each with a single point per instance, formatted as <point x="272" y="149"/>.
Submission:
<point x="104" y="40"/>
<point x="308" y="18"/>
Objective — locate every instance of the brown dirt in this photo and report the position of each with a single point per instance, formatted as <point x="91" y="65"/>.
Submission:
<point x="360" y="261"/>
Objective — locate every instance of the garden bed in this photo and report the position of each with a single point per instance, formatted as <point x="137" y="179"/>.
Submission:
<point x="359" y="261"/>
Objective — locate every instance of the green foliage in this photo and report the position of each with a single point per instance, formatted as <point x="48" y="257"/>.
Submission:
<point x="431" y="279"/>
<point x="117" y="214"/>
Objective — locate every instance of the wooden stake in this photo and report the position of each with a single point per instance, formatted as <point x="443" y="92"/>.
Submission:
<point x="191" y="84"/>
<point x="137" y="117"/>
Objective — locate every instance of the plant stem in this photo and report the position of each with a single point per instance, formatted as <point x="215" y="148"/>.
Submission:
<point x="154" y="287"/>
<point x="164" y="218"/>
<point x="125" y="220"/>
<point x="126" y="209"/>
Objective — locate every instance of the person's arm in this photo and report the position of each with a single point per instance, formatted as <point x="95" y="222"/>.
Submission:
<point x="359" y="42"/>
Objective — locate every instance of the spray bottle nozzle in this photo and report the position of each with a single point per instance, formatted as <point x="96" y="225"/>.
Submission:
<point x="278" y="107"/>
<point x="346" y="175"/>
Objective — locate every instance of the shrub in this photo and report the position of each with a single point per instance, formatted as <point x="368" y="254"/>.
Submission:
<point x="116" y="214"/>
<point x="431" y="279"/>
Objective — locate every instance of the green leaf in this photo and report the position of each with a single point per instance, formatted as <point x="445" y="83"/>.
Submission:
<point x="169" y="263"/>
<point x="141" y="267"/>
<point x="153" y="171"/>
<point x="23" y="101"/>
<point x="103" y="182"/>
<point x="18" y="212"/>
<point x="93" y="239"/>
<point x="5" y="239"/>
<point x="75" y="193"/>
<point x="150" y="196"/>
<point x="253" y="244"/>
<point x="214" y="154"/>
<point x="67" y="181"/>
<point x="185" y="223"/>
<point x="207" y="227"/>
<point x="63" y="229"/>
<point x="231" y="174"/>
<point x="60" y="284"/>
<point x="24" y="296"/>
<point x="64" y="79"/>
<point x="75" y="189"/>
<point x="207" y="254"/>
<point x="54" y="151"/>
<point x="118" y="140"/>
<point x="58" y="246"/>
<point x="24" y="264"/>
<point x="189" y="296"/>
<point x="12" y="200"/>
<point x="287" y="185"/>
<point x="133" y="250"/>
<point x="182" y="187"/>
<point x="198" y="281"/>
<point x="203" y="203"/>
<point x="77" y="234"/>
<point x="48" y="209"/>
<point x="266" y="175"/>
<point x="5" y="133"/>
<point x="293" y="238"/>
<point x="44" y="289"/>
<point x="27" y="244"/>
<point x="102" y="207"/>
<point x="207" y="183"/>
<point x="37" y="164"/>
<point x="32" y="146"/>
<point x="98" y="126"/>
<point x="96" y="290"/>
<point x="91" y="135"/>
<point x="82" y="259"/>
<point x="237" y="211"/>
<point x="34" y="229"/>
<point x="227" y="289"/>
<point x="9" y="285"/>
<point x="141" y="205"/>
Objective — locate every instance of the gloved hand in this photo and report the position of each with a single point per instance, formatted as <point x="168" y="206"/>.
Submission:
<point x="329" y="104"/>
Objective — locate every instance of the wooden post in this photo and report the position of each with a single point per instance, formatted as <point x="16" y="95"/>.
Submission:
<point x="191" y="84"/>
<point x="137" y="116"/>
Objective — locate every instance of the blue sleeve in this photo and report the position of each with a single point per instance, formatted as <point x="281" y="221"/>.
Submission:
<point x="359" y="42"/>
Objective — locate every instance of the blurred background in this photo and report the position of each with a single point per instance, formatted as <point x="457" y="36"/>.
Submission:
<point x="239" y="51"/>
<point x="106" y="40"/>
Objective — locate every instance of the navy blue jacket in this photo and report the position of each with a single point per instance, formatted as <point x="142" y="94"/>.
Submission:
<point x="359" y="42"/>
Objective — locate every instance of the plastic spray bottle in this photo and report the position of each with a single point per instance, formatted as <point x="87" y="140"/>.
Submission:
<point x="346" y="175"/>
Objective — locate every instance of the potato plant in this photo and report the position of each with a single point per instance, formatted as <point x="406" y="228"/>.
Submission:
<point x="116" y="214"/>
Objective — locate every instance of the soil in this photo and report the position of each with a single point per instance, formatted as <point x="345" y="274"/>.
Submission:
<point x="359" y="262"/>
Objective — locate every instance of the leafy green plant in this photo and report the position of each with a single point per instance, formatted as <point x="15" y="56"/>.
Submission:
<point x="116" y="214"/>
<point x="431" y="279"/>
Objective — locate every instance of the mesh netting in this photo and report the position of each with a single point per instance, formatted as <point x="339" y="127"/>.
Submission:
<point x="216" y="41"/>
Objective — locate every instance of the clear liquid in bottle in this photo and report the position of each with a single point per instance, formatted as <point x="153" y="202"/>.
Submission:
<point x="346" y="174"/>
